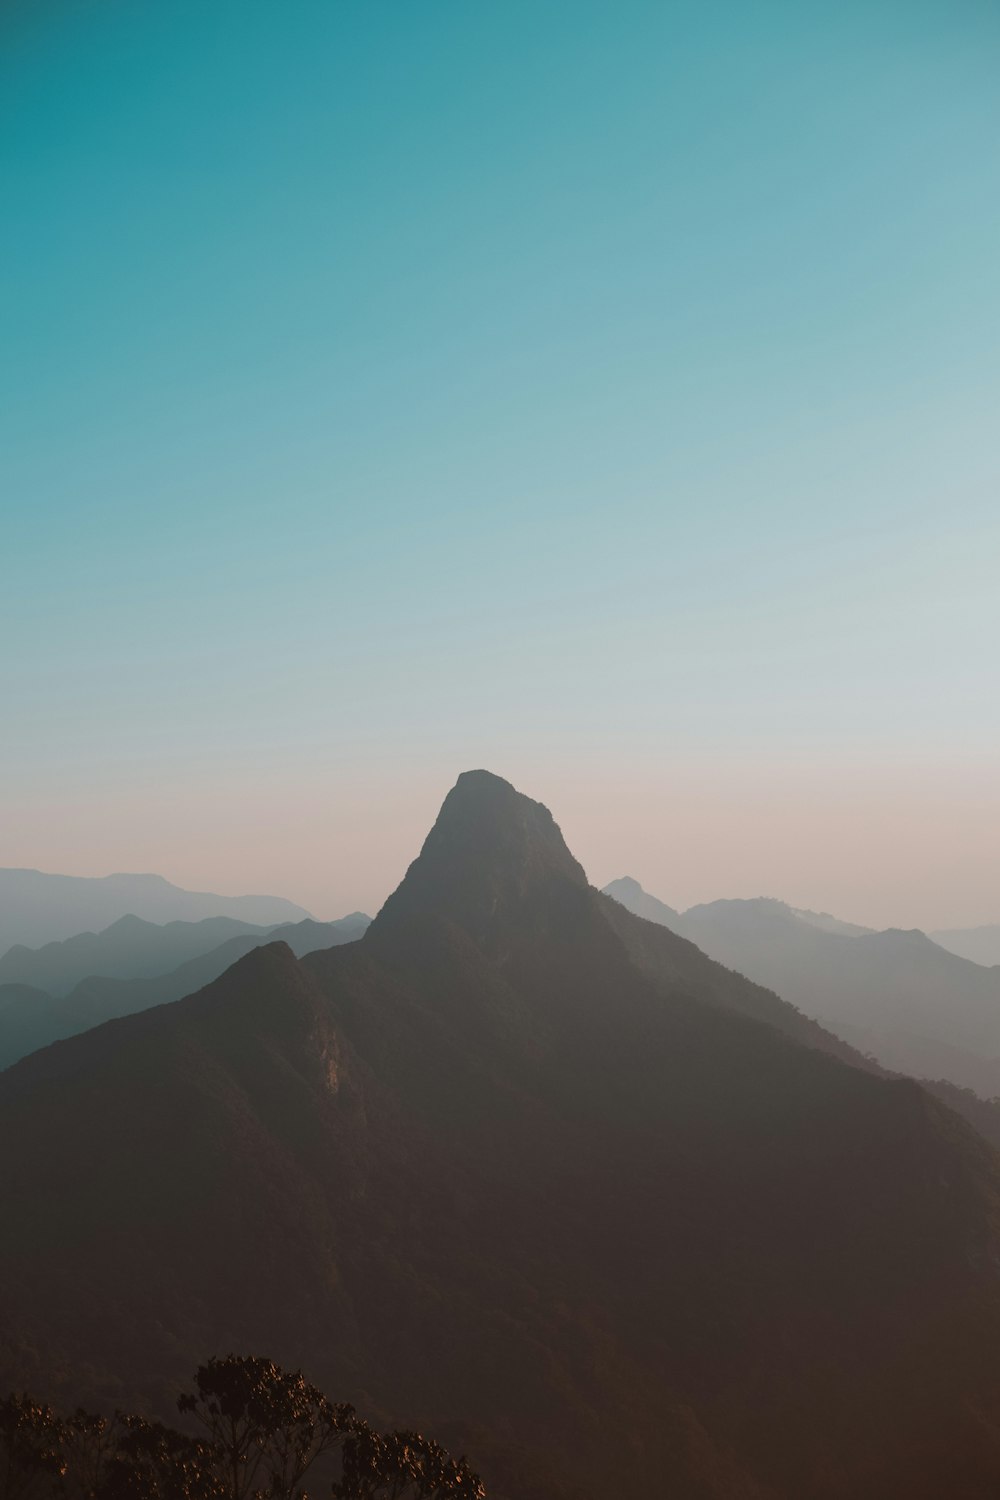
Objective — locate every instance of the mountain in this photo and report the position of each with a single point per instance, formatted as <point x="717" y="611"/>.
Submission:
<point x="826" y="923"/>
<point x="130" y="948"/>
<point x="896" y="994"/>
<point x="31" y="1018"/>
<point x="980" y="944"/>
<point x="309" y="935"/>
<point x="631" y="894"/>
<point x="529" y="1171"/>
<point x="134" y="949"/>
<point x="26" y="1022"/>
<point x="38" y="908"/>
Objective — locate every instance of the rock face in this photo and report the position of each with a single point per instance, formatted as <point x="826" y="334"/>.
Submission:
<point x="528" y="1171"/>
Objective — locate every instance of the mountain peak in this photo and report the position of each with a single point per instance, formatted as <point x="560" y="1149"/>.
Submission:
<point x="129" y="923"/>
<point x="489" y="854"/>
<point x="629" y="893"/>
<point x="487" y="820"/>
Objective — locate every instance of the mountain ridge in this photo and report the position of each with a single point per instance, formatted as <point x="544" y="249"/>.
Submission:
<point x="980" y="944"/>
<point x="919" y="1008"/>
<point x="530" y="1169"/>
<point x="38" y="907"/>
<point x="31" y="1018"/>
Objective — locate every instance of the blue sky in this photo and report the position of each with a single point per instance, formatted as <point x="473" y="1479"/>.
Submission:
<point x="606" y="395"/>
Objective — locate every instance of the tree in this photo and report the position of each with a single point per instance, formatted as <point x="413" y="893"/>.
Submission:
<point x="403" y="1466"/>
<point x="89" y="1447"/>
<point x="153" y="1462"/>
<point x="31" y="1448"/>
<point x="267" y="1424"/>
<point x="263" y="1431"/>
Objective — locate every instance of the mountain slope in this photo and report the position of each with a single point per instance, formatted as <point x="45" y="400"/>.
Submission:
<point x="514" y="1166"/>
<point x="827" y="923"/>
<point x="680" y="964"/>
<point x="981" y="945"/>
<point x="37" y="908"/>
<point x="914" y="1006"/>
<point x="631" y="894"/>
<point x="30" y="1019"/>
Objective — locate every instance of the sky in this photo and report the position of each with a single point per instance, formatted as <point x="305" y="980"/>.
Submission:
<point x="604" y="395"/>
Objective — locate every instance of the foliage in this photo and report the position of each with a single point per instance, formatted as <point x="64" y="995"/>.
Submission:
<point x="263" y="1430"/>
<point x="154" y="1462"/>
<point x="403" y="1466"/>
<point x="31" y="1448"/>
<point x="267" y="1424"/>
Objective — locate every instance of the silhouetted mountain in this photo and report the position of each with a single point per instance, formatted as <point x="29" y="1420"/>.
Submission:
<point x="898" y="995"/>
<point x="979" y="944"/>
<point x="520" y="1167"/>
<point x="30" y="1019"/>
<point x="37" y="908"/>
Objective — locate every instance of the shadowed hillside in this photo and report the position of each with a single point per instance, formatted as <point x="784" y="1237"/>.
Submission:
<point x="530" y="1172"/>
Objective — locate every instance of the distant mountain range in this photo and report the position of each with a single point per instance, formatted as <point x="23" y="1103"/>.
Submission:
<point x="917" y="1008"/>
<point x="38" y="908"/>
<point x="532" y="1172"/>
<point x="56" y="991"/>
<point x="130" y="948"/>
<point x="980" y="944"/>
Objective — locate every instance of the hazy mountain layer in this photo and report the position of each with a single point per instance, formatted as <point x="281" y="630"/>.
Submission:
<point x="134" y="949"/>
<point x="130" y="948"/>
<point x="827" y="923"/>
<point x="914" y="1006"/>
<point x="30" y="1019"/>
<point x="523" y="1168"/>
<point x="38" y="908"/>
<point x="980" y="944"/>
<point x="631" y="894"/>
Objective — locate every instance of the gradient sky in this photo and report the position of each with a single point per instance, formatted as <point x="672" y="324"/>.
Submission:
<point x="605" y="394"/>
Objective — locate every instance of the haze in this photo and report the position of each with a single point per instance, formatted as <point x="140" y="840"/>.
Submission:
<point x="392" y="391"/>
